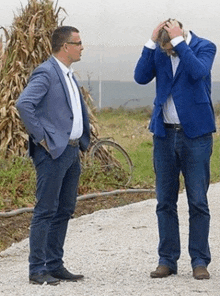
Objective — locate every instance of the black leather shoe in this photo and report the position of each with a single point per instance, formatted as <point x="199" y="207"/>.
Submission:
<point x="162" y="271"/>
<point x="40" y="279"/>
<point x="64" y="275"/>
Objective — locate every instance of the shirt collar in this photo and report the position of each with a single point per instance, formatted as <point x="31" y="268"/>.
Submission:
<point x="64" y="68"/>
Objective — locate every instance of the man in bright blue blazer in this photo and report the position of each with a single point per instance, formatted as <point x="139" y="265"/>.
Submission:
<point x="182" y="123"/>
<point x="56" y="119"/>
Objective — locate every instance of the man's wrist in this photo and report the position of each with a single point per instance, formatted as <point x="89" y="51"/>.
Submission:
<point x="175" y="41"/>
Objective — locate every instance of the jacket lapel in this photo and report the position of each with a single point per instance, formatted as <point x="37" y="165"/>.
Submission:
<point x="192" y="44"/>
<point x="178" y="70"/>
<point x="62" y="79"/>
<point x="168" y="67"/>
<point x="164" y="63"/>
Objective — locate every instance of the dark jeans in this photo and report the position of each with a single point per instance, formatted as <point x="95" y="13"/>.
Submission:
<point x="173" y="154"/>
<point x="57" y="182"/>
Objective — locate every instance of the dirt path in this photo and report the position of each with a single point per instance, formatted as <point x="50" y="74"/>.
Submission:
<point x="116" y="249"/>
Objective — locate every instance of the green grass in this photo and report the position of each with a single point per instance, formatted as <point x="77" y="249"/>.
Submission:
<point x="17" y="182"/>
<point x="122" y="113"/>
<point x="215" y="160"/>
<point x="17" y="175"/>
<point x="143" y="174"/>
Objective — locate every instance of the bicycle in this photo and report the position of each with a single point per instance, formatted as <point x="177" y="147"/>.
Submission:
<point x="109" y="158"/>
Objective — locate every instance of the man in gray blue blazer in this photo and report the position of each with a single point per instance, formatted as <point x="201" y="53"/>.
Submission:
<point x="55" y="116"/>
<point x="182" y="123"/>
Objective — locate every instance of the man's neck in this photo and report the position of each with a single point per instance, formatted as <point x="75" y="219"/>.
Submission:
<point x="62" y="59"/>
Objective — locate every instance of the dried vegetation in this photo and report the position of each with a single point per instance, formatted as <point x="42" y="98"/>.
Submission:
<point x="27" y="45"/>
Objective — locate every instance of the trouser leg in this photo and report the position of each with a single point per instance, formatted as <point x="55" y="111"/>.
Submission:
<point x="50" y="176"/>
<point x="195" y="156"/>
<point x="167" y="169"/>
<point x="58" y="227"/>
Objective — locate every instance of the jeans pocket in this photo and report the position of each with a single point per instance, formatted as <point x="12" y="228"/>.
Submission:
<point x="40" y="153"/>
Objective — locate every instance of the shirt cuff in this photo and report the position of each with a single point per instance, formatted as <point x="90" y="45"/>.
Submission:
<point x="175" y="41"/>
<point x="150" y="44"/>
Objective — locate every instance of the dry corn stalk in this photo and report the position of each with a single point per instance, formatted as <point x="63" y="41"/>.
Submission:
<point x="27" y="45"/>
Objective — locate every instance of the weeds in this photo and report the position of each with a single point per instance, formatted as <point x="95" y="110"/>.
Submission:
<point x="17" y="174"/>
<point x="17" y="182"/>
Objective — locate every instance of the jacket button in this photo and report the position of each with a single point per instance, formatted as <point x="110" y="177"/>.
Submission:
<point x="68" y="133"/>
<point x="71" y="117"/>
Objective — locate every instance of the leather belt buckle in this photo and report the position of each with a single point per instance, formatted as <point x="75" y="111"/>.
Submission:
<point x="179" y="127"/>
<point x="74" y="143"/>
<point x="175" y="126"/>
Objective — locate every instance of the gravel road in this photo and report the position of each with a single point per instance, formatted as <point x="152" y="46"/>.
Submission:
<point x="116" y="250"/>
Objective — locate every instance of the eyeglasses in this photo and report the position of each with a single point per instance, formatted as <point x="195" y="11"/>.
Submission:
<point x="76" y="43"/>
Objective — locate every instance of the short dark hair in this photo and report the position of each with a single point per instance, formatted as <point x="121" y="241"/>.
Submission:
<point x="163" y="37"/>
<point x="60" y="36"/>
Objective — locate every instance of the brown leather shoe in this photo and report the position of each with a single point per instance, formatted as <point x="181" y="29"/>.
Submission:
<point x="161" y="272"/>
<point x="201" y="273"/>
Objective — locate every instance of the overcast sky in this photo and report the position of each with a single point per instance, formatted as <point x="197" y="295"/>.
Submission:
<point x="128" y="24"/>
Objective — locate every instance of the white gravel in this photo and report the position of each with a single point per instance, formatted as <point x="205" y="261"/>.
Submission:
<point x="116" y="250"/>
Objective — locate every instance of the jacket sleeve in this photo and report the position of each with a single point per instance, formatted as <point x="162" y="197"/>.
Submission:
<point x="145" y="68"/>
<point x="198" y="66"/>
<point x="29" y="100"/>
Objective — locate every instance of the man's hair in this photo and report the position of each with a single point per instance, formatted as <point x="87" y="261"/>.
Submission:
<point x="60" y="36"/>
<point x="163" y="37"/>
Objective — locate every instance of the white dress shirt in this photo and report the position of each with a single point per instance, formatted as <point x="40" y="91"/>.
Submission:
<point x="77" y="128"/>
<point x="169" y="110"/>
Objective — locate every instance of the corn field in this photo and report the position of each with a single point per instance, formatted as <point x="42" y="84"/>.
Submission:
<point x="27" y="45"/>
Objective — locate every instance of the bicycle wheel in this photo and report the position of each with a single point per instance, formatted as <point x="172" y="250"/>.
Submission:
<point x="113" y="161"/>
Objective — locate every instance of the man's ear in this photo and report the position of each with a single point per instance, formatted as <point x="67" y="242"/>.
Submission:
<point x="65" y="47"/>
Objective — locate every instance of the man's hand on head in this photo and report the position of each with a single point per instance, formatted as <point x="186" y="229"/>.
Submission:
<point x="154" y="35"/>
<point x="173" y="29"/>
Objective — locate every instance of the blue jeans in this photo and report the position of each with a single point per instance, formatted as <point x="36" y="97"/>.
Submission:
<point x="57" y="181"/>
<point x="173" y="154"/>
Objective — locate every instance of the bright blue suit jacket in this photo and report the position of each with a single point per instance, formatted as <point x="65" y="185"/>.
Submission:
<point x="190" y="87"/>
<point x="45" y="109"/>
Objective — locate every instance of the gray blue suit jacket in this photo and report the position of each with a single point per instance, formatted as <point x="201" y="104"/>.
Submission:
<point x="45" y="109"/>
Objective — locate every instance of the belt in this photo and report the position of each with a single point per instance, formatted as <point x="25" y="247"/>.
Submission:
<point x="74" y="143"/>
<point x="175" y="126"/>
